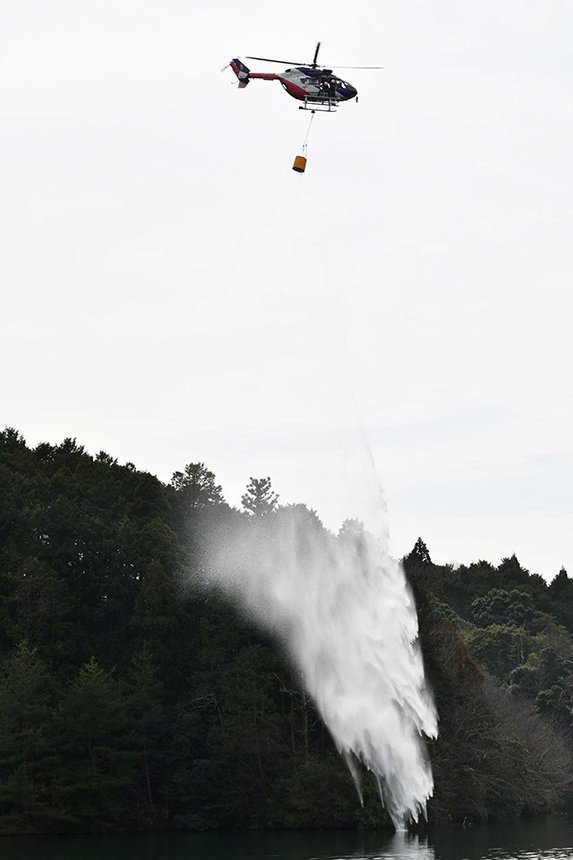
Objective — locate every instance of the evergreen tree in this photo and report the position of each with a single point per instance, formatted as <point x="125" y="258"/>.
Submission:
<point x="145" y="733"/>
<point x="196" y="487"/>
<point x="27" y="751"/>
<point x="259" y="498"/>
<point x="561" y="593"/>
<point x="96" y="770"/>
<point x="419" y="555"/>
<point x="351" y="529"/>
<point x="155" y="621"/>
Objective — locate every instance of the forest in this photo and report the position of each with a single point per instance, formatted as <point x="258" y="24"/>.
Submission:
<point x="130" y="700"/>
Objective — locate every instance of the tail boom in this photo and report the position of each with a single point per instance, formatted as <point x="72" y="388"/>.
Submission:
<point x="245" y="75"/>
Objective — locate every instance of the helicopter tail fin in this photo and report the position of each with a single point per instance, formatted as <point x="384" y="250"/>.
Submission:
<point x="241" y="72"/>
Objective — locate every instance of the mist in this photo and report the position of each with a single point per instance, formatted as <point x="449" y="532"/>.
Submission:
<point x="342" y="610"/>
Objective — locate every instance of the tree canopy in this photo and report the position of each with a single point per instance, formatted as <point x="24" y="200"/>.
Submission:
<point x="127" y="701"/>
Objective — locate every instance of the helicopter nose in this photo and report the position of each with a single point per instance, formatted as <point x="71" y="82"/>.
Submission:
<point x="349" y="92"/>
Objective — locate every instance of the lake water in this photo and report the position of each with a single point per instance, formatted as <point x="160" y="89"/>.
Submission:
<point x="549" y="840"/>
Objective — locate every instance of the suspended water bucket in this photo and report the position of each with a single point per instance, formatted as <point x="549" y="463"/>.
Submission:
<point x="299" y="164"/>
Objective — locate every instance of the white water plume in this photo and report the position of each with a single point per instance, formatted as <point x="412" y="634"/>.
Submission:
<point x="343" y="610"/>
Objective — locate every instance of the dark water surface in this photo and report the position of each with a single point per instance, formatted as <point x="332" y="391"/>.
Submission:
<point x="550" y="840"/>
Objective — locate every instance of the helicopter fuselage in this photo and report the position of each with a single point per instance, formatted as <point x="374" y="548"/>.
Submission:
<point x="313" y="86"/>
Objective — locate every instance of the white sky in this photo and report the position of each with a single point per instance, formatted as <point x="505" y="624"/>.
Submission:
<point x="173" y="292"/>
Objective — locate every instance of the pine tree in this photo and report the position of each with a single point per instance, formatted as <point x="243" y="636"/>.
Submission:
<point x="420" y="554"/>
<point x="196" y="486"/>
<point x="259" y="498"/>
<point x="97" y="767"/>
<point x="27" y="753"/>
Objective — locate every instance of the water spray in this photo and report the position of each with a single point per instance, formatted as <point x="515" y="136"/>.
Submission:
<point x="342" y="609"/>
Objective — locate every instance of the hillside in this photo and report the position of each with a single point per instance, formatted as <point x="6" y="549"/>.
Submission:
<point x="128" y="700"/>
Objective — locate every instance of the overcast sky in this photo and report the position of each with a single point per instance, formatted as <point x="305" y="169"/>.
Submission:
<point x="173" y="292"/>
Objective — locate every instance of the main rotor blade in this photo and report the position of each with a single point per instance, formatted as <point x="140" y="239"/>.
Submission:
<point x="282" y="62"/>
<point x="315" y="55"/>
<point x="314" y="64"/>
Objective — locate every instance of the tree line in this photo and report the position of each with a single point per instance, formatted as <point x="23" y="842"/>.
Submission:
<point x="128" y="701"/>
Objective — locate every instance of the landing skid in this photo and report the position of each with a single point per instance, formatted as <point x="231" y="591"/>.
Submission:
<point x="324" y="106"/>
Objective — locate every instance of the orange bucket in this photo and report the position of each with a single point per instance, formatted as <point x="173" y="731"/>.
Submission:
<point x="299" y="164"/>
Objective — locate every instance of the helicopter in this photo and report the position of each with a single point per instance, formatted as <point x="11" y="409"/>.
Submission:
<point x="314" y="85"/>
